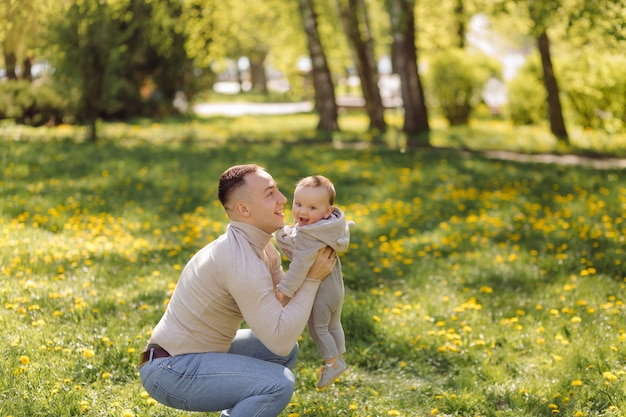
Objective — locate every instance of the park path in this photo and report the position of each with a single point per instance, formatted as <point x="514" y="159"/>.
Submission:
<point x="570" y="159"/>
<point x="239" y="109"/>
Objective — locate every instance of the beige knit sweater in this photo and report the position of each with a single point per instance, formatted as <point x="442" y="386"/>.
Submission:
<point x="230" y="280"/>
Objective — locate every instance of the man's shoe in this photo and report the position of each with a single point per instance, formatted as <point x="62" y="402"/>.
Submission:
<point x="331" y="372"/>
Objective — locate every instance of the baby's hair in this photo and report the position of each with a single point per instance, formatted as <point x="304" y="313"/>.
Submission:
<point x="319" y="181"/>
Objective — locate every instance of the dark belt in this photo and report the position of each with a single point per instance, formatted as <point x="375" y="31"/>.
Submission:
<point x="152" y="352"/>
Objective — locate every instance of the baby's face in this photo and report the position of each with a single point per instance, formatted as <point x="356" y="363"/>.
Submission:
<point x="310" y="205"/>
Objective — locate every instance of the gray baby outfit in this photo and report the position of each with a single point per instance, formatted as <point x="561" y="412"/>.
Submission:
<point x="300" y="244"/>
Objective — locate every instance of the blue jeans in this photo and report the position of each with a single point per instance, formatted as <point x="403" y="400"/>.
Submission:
<point x="248" y="381"/>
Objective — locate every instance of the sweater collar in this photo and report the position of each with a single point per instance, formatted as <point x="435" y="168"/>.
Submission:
<point x="257" y="237"/>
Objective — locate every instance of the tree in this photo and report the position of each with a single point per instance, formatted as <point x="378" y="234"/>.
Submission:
<point x="250" y="26"/>
<point x="325" y="102"/>
<point x="457" y="80"/>
<point x="404" y="61"/>
<point x="83" y="43"/>
<point x="150" y="56"/>
<point x="20" y="23"/>
<point x="118" y="59"/>
<point x="555" y="109"/>
<point x="541" y="16"/>
<point x="355" y="24"/>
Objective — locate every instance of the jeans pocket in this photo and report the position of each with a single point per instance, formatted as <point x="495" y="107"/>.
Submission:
<point x="164" y="397"/>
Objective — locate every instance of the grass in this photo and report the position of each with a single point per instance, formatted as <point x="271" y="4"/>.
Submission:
<point x="475" y="287"/>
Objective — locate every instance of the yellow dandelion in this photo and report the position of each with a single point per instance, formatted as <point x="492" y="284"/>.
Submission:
<point x="106" y="375"/>
<point x="24" y="359"/>
<point x="577" y="383"/>
<point x="393" y="412"/>
<point x="89" y="353"/>
<point x="128" y="413"/>
<point x="434" y="411"/>
<point x="377" y="319"/>
<point x="609" y="375"/>
<point x="19" y="371"/>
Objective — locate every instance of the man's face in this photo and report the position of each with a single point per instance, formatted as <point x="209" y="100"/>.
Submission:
<point x="264" y="202"/>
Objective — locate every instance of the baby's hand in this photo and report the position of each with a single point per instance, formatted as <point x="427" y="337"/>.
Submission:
<point x="281" y="297"/>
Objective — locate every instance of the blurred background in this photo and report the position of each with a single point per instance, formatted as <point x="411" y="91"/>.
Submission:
<point x="558" y="63"/>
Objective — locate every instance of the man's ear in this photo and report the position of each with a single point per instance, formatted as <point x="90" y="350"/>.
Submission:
<point x="241" y="209"/>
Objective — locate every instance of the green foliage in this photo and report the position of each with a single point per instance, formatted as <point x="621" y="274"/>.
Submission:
<point x="527" y="98"/>
<point x="31" y="104"/>
<point x="475" y="287"/>
<point x="595" y="86"/>
<point x="456" y="79"/>
<point x="80" y="49"/>
<point x="120" y="59"/>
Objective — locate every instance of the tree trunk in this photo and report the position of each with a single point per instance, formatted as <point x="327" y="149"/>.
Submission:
<point x="459" y="13"/>
<point x="404" y="61"/>
<point x="92" y="130"/>
<point x="27" y="66"/>
<point x="355" y="24"/>
<point x="325" y="102"/>
<point x="557" y="124"/>
<point x="258" y="78"/>
<point x="10" y="60"/>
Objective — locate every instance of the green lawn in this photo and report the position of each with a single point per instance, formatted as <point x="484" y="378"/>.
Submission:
<point x="475" y="287"/>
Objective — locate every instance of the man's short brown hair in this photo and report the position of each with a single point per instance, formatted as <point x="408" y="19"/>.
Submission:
<point x="232" y="179"/>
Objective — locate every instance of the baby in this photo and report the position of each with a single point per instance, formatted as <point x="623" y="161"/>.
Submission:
<point x="317" y="224"/>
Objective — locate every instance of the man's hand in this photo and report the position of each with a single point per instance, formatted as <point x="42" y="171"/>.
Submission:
<point x="324" y="263"/>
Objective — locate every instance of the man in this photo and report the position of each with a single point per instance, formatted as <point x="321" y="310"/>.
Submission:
<point x="198" y="358"/>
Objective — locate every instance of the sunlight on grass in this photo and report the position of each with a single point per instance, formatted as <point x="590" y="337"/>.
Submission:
<point x="474" y="287"/>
